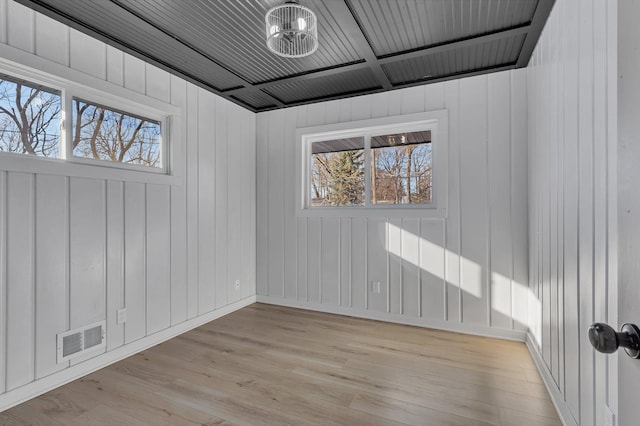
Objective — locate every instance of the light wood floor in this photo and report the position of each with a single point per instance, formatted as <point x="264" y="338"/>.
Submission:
<point x="272" y="365"/>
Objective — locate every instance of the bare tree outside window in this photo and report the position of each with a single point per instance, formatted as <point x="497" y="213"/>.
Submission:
<point x="401" y="168"/>
<point x="106" y="134"/>
<point x="29" y="119"/>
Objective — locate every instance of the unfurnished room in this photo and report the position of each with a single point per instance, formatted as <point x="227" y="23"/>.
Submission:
<point x="319" y="212"/>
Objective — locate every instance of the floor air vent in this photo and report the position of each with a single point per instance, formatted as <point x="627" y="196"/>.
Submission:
<point x="74" y="343"/>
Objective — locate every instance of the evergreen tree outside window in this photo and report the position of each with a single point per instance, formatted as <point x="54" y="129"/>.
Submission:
<point x="337" y="172"/>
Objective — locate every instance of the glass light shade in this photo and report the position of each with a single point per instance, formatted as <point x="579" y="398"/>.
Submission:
<point x="292" y="30"/>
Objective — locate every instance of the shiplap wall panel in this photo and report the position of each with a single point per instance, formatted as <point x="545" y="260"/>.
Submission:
<point x="378" y="264"/>
<point x="115" y="267"/>
<point x="411" y="266"/>
<point x="77" y="249"/>
<point x="115" y="66"/>
<point x="51" y="251"/>
<point x="158" y="257"/>
<point x="499" y="170"/>
<point x="207" y="264"/>
<point x="134" y="73"/>
<point x="474" y="202"/>
<point x="314" y="259"/>
<point x="301" y="258"/>
<point x="158" y="83"/>
<point x="518" y="208"/>
<point x="262" y="194"/>
<point x="52" y="39"/>
<point x="248" y="210"/>
<point x="234" y="207"/>
<point x="570" y="91"/>
<point x="87" y="254"/>
<point x="601" y="199"/>
<point x="3" y="277"/>
<point x="431" y="261"/>
<point x="192" y="174"/>
<point x="393" y="247"/>
<point x="290" y="232"/>
<point x="178" y="202"/>
<point x="585" y="221"/>
<point x="134" y="262"/>
<point x="453" y="310"/>
<point x="87" y="251"/>
<point x="88" y="54"/>
<point x="221" y="203"/>
<point x="20" y="22"/>
<point x="3" y="25"/>
<point x="20" y="307"/>
<point x="275" y="214"/>
<point x="359" y="255"/>
<point x="346" y="275"/>
<point x="552" y="227"/>
<point x="416" y="261"/>
<point x="330" y="261"/>
<point x="379" y="105"/>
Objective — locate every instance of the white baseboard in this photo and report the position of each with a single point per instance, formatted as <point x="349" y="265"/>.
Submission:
<point x="38" y="387"/>
<point x="561" y="406"/>
<point x="516" y="335"/>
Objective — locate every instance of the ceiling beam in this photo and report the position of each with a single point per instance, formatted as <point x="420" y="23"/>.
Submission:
<point x="543" y="9"/>
<point x="458" y="44"/>
<point x="497" y="68"/>
<point x="347" y="22"/>
<point x="430" y="50"/>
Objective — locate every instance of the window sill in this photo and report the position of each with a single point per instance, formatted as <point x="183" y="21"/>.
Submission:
<point x="386" y="212"/>
<point x="52" y="166"/>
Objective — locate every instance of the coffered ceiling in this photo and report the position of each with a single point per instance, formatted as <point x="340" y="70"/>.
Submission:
<point x="365" y="46"/>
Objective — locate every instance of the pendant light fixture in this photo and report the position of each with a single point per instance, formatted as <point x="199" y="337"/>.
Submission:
<point x="292" y="30"/>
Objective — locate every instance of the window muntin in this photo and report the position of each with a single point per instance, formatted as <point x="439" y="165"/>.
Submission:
<point x="103" y="133"/>
<point x="381" y="167"/>
<point x="401" y="168"/>
<point x="30" y="117"/>
<point x="337" y="173"/>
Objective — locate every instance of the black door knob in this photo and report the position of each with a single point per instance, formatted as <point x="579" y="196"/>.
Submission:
<point x="606" y="340"/>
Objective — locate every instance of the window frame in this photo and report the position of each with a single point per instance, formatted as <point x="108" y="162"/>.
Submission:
<point x="434" y="121"/>
<point x="35" y="70"/>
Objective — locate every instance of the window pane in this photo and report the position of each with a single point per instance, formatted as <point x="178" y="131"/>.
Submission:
<point x="29" y="118"/>
<point x="106" y="134"/>
<point x="337" y="172"/>
<point x="401" y="168"/>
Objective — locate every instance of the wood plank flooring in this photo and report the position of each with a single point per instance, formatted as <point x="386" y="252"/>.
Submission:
<point x="273" y="365"/>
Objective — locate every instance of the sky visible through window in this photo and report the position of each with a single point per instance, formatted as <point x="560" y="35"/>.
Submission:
<point x="105" y="134"/>
<point x="29" y="119"/>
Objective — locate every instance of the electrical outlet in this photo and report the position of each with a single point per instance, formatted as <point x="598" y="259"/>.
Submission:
<point x="237" y="285"/>
<point x="121" y="316"/>
<point x="376" y="287"/>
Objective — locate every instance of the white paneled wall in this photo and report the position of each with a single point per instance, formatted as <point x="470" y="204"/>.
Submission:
<point x="467" y="272"/>
<point x="74" y="249"/>
<point x="572" y="99"/>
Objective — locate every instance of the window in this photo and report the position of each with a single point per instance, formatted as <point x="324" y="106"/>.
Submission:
<point x="401" y="166"/>
<point x="102" y="133"/>
<point x="100" y="129"/>
<point x="29" y="118"/>
<point x="384" y="166"/>
<point x="337" y="172"/>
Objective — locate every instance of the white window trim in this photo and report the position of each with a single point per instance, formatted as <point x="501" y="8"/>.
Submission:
<point x="436" y="121"/>
<point x="72" y="83"/>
